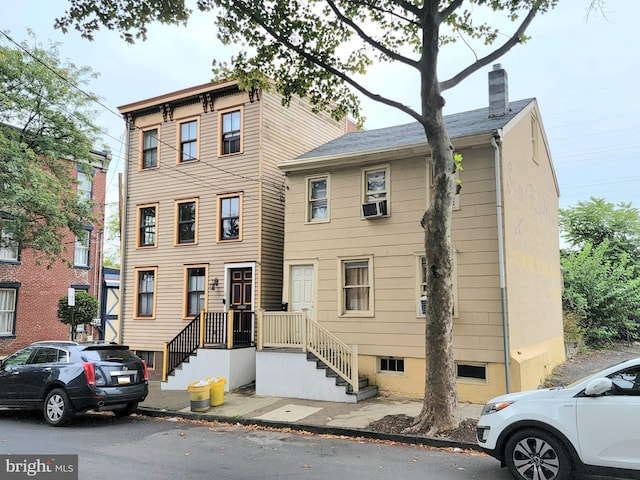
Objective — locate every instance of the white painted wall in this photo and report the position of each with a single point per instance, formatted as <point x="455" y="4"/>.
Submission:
<point x="238" y="367"/>
<point x="291" y="375"/>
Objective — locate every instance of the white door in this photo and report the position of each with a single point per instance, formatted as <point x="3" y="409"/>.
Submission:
<point x="609" y="426"/>
<point x="302" y="288"/>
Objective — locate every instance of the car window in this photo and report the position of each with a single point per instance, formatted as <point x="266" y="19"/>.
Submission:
<point x="109" y="355"/>
<point x="626" y="382"/>
<point x="18" y="358"/>
<point x="49" y="355"/>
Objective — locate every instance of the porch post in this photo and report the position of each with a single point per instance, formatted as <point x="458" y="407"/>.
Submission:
<point x="355" y="377"/>
<point x="201" y="343"/>
<point x="230" y="329"/>
<point x="165" y="361"/>
<point x="305" y="329"/>
<point x="259" y="315"/>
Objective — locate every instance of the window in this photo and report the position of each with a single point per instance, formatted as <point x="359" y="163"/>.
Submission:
<point x="81" y="251"/>
<point x="230" y="134"/>
<point x="145" y="293"/>
<point x="196" y="289"/>
<point x="375" y="184"/>
<point x="356" y="286"/>
<point x="84" y="187"/>
<point x="471" y="372"/>
<point x="8" y="246"/>
<point x="188" y="141"/>
<point x="7" y="310"/>
<point x="391" y="364"/>
<point x="147" y="226"/>
<point x="421" y="274"/>
<point x="317" y="199"/>
<point x="626" y="382"/>
<point x="148" y="357"/>
<point x="186" y="231"/>
<point x="149" y="148"/>
<point x="230" y="215"/>
<point x="534" y="138"/>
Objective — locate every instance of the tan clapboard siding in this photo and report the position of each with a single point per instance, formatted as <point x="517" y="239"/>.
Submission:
<point x="531" y="240"/>
<point x="286" y="133"/>
<point x="270" y="135"/>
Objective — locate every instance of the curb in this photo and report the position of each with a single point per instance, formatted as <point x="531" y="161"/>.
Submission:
<point x="317" y="429"/>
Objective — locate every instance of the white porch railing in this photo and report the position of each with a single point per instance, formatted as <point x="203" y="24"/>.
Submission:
<point x="296" y="330"/>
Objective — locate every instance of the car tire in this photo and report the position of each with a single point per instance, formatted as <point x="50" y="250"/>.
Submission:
<point x="126" y="411"/>
<point x="535" y="454"/>
<point x="57" y="408"/>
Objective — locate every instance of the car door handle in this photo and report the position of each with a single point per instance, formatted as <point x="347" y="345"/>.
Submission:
<point x="48" y="369"/>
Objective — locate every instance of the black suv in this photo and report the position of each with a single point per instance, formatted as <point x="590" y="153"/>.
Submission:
<point x="64" y="378"/>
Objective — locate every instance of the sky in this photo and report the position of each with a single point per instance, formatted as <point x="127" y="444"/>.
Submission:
<point x="584" y="72"/>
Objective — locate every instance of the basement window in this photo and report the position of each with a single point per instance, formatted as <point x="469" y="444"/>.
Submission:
<point x="471" y="372"/>
<point x="391" y="364"/>
<point x="147" y="356"/>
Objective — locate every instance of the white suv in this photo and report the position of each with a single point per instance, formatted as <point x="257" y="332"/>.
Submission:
<point x="591" y="426"/>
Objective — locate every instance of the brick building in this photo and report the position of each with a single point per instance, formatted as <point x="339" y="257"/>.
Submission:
<point x="29" y="293"/>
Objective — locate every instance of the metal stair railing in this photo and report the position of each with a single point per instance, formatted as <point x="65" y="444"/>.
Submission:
<point x="208" y="328"/>
<point x="297" y="330"/>
<point x="181" y="347"/>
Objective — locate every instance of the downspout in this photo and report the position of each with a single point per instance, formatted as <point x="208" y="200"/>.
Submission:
<point x="495" y="139"/>
<point x="122" y="205"/>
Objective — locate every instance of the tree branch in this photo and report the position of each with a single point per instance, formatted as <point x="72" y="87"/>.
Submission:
<point x="329" y="68"/>
<point x="450" y="9"/>
<point x="377" y="45"/>
<point x="515" y="39"/>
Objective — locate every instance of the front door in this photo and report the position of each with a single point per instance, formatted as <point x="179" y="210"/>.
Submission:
<point x="241" y="303"/>
<point x="302" y="288"/>
<point x="241" y="288"/>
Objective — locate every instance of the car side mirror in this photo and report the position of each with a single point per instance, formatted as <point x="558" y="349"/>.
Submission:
<point x="598" y="386"/>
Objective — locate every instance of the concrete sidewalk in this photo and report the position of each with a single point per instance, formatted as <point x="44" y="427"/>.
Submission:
<point x="244" y="407"/>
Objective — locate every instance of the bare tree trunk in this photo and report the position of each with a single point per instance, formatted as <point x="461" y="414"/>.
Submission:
<point x="439" y="410"/>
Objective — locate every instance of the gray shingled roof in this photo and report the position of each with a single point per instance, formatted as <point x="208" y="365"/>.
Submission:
<point x="459" y="125"/>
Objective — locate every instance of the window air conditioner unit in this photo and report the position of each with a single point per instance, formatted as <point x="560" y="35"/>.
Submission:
<point x="422" y="305"/>
<point x="374" y="209"/>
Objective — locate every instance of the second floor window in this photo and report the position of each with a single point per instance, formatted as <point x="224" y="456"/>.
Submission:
<point x="231" y="132"/>
<point x="189" y="141"/>
<point x="150" y="148"/>
<point x="7" y="311"/>
<point x="8" y="246"/>
<point x="81" y="252"/>
<point x="84" y="187"/>
<point x="147" y="232"/>
<point x="229" y="211"/>
<point x="318" y="197"/>
<point x="375" y="185"/>
<point x="186" y="227"/>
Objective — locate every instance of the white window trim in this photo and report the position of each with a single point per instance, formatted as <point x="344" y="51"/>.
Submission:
<point x="342" y="312"/>
<point x="307" y="215"/>
<point x="12" y="312"/>
<point x="82" y="248"/>
<point x="11" y="252"/>
<point x="387" y="183"/>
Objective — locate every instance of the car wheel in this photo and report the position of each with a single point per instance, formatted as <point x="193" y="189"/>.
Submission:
<point x="57" y="408"/>
<point x="126" y="411"/>
<point x="534" y="454"/>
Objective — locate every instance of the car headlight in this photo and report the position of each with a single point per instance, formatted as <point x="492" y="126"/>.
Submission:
<point x="495" y="407"/>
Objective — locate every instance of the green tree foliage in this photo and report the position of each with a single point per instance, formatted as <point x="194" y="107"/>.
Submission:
<point x="604" y="294"/>
<point x="45" y="131"/>
<point x="112" y="244"/>
<point x="322" y="50"/>
<point x="84" y="311"/>
<point x="596" y="221"/>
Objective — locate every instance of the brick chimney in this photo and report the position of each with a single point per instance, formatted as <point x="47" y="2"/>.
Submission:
<point x="498" y="91"/>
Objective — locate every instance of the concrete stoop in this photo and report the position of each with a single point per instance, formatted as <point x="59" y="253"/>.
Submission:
<point x="295" y="374"/>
